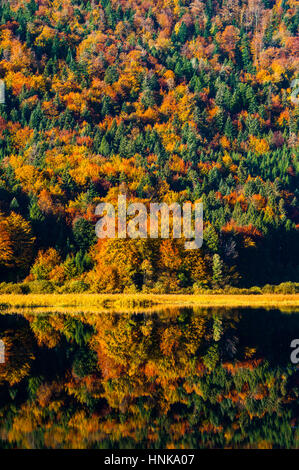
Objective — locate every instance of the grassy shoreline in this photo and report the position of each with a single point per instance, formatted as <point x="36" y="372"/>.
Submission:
<point x="148" y="300"/>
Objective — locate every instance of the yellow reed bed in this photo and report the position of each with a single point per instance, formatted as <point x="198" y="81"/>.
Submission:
<point x="147" y="300"/>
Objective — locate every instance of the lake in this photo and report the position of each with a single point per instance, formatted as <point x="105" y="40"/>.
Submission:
<point x="165" y="378"/>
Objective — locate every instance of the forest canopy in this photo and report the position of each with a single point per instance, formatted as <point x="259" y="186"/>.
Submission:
<point x="176" y="101"/>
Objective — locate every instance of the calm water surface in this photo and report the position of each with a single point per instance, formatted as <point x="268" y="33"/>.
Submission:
<point x="174" y="378"/>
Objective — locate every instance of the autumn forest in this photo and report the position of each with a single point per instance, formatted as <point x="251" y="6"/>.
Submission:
<point x="170" y="100"/>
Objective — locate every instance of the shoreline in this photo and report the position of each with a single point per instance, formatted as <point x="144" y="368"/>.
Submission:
<point x="107" y="301"/>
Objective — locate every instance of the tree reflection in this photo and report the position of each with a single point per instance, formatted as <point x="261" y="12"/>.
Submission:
<point x="180" y="378"/>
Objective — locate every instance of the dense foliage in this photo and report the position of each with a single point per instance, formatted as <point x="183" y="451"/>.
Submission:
<point x="173" y="100"/>
<point x="175" y="379"/>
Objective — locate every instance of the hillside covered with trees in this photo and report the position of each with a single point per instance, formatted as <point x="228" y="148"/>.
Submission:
<point x="173" y="100"/>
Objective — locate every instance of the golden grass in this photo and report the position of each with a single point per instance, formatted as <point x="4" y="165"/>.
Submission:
<point x="106" y="301"/>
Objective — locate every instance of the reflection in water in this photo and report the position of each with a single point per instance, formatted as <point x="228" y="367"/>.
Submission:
<point x="177" y="378"/>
